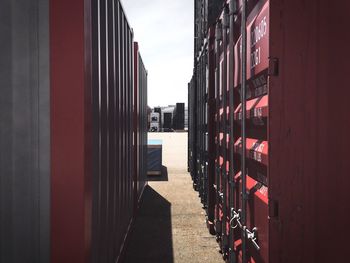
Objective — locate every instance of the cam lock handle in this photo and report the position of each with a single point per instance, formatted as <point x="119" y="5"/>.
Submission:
<point x="252" y="236"/>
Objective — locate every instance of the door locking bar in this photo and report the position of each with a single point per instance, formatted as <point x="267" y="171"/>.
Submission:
<point x="221" y="195"/>
<point x="235" y="222"/>
<point x="235" y="218"/>
<point x="253" y="237"/>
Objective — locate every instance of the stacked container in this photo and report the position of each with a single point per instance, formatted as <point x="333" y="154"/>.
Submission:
<point x="267" y="93"/>
<point x="201" y="107"/>
<point x="220" y="132"/>
<point x="242" y="114"/>
<point x="168" y="120"/>
<point x="179" y="116"/>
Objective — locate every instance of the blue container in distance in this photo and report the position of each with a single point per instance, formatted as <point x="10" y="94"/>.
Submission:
<point x="154" y="166"/>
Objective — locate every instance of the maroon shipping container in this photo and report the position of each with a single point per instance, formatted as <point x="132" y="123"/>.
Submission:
<point x="97" y="100"/>
<point x="285" y="129"/>
<point x="308" y="130"/>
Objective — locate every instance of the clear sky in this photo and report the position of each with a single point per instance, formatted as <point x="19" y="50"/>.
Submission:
<point x="164" y="30"/>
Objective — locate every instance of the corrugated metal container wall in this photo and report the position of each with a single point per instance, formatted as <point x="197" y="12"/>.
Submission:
<point x="92" y="78"/>
<point x="24" y="132"/>
<point x="143" y="84"/>
<point x="205" y="15"/>
<point x="192" y="135"/>
<point x="202" y="152"/>
<point x="66" y="131"/>
<point x="203" y="102"/>
<point x="140" y="124"/>
<point x="71" y="134"/>
<point x="277" y="129"/>
<point x="243" y="208"/>
<point x="112" y="97"/>
<point x="225" y="128"/>
<point x="211" y="130"/>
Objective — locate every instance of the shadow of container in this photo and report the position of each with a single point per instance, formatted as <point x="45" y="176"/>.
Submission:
<point x="151" y="238"/>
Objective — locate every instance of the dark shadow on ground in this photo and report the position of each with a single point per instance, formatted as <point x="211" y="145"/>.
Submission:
<point x="159" y="178"/>
<point x="151" y="238"/>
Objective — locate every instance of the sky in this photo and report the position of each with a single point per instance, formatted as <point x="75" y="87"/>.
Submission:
<point x="164" y="30"/>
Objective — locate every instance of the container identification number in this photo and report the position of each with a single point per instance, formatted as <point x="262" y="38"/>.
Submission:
<point x="255" y="57"/>
<point x="259" y="32"/>
<point x="256" y="35"/>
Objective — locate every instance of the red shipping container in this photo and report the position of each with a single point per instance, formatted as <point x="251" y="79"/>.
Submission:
<point x="296" y="126"/>
<point x="96" y="100"/>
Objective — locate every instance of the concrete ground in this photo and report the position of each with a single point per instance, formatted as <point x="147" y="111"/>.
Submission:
<point x="171" y="225"/>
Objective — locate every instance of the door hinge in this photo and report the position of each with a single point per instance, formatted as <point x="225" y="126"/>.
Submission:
<point x="274" y="208"/>
<point x="273" y="66"/>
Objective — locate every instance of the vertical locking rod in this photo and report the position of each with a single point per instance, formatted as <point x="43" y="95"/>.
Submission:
<point x="243" y="130"/>
<point x="218" y="37"/>
<point x="232" y="10"/>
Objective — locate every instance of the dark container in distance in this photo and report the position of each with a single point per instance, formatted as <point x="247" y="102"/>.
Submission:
<point x="179" y="116"/>
<point x="180" y="108"/>
<point x="167" y="124"/>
